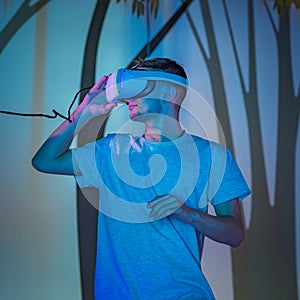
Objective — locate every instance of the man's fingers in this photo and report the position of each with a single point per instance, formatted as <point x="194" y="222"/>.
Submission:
<point x="158" y="200"/>
<point x="101" y="83"/>
<point x="163" y="206"/>
<point x="164" y="210"/>
<point x="99" y="86"/>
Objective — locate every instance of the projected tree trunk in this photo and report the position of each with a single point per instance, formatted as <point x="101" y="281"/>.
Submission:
<point x="86" y="213"/>
<point x="269" y="245"/>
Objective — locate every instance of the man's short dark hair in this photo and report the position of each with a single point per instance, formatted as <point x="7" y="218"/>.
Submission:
<point x="163" y="64"/>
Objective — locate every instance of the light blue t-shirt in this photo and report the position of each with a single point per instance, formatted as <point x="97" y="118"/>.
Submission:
<point x="142" y="258"/>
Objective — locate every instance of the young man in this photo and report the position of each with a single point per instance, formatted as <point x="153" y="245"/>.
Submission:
<point x="154" y="191"/>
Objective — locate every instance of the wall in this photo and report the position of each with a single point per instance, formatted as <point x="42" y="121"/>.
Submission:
<point x="240" y="57"/>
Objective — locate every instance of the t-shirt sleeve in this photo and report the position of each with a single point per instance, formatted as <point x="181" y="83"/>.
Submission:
<point x="226" y="180"/>
<point x="84" y="159"/>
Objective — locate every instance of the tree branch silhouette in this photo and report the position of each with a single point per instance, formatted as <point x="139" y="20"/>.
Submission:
<point x="271" y="20"/>
<point x="197" y="37"/>
<point x="24" y="13"/>
<point x="216" y="76"/>
<point x="162" y="33"/>
<point x="236" y="57"/>
<point x="214" y="69"/>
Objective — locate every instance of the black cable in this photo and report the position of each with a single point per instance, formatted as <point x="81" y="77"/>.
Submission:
<point x="56" y="113"/>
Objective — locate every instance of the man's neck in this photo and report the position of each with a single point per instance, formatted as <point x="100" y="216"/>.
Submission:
<point x="163" y="134"/>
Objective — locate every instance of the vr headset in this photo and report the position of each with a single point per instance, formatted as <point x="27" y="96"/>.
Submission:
<point x="126" y="83"/>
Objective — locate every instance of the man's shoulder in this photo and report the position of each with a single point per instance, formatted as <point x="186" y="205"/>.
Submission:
<point x="208" y="142"/>
<point x="209" y="147"/>
<point x="200" y="141"/>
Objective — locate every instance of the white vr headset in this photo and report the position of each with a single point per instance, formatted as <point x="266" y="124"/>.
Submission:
<point x="126" y="83"/>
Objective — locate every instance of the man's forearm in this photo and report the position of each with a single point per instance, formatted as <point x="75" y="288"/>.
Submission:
<point x="223" y="229"/>
<point x="61" y="138"/>
<point x="56" y="145"/>
<point x="54" y="155"/>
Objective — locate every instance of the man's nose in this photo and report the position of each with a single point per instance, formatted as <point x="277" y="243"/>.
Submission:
<point x="126" y="101"/>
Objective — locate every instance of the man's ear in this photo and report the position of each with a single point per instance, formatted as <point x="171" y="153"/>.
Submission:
<point x="170" y="93"/>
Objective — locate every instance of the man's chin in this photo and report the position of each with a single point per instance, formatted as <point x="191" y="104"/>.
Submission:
<point x="136" y="118"/>
<point x="132" y="116"/>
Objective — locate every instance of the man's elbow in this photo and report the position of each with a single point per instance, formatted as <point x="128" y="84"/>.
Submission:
<point x="238" y="238"/>
<point x="39" y="164"/>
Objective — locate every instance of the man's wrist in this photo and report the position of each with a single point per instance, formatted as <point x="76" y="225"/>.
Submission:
<point x="80" y="118"/>
<point x="185" y="214"/>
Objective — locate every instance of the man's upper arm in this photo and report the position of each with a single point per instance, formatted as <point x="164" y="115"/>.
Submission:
<point x="61" y="165"/>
